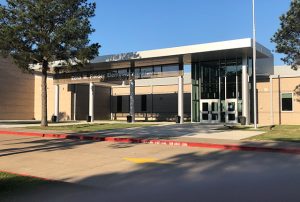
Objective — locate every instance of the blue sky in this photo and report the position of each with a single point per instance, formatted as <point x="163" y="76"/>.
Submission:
<point x="132" y="25"/>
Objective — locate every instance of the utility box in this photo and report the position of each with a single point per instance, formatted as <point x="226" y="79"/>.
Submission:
<point x="129" y="119"/>
<point x="88" y="118"/>
<point x="178" y="119"/>
<point x="54" y="119"/>
<point x="242" y="120"/>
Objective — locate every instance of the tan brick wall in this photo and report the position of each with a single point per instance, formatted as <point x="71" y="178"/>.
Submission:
<point x="65" y="105"/>
<point x="282" y="85"/>
<point x="263" y="103"/>
<point x="17" y="92"/>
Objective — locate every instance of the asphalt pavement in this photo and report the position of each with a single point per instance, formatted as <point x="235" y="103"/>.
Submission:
<point x="103" y="171"/>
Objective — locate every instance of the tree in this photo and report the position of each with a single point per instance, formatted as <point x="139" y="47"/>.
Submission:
<point x="43" y="31"/>
<point x="287" y="37"/>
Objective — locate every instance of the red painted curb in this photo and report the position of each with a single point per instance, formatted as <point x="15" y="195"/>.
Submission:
<point x="25" y="175"/>
<point x="33" y="134"/>
<point x="155" y="141"/>
<point x="224" y="146"/>
<point x="52" y="135"/>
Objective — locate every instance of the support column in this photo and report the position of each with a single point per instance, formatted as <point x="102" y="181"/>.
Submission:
<point x="271" y="101"/>
<point x="74" y="102"/>
<point x="180" y="91"/>
<point x="132" y="92"/>
<point x="56" y="102"/>
<point x="180" y="99"/>
<point x="245" y="91"/>
<point x="111" y="104"/>
<point x="91" y="101"/>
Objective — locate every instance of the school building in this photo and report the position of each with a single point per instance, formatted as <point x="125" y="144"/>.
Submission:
<point x="205" y="83"/>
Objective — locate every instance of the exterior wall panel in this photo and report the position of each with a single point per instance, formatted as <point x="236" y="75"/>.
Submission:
<point x="280" y="85"/>
<point x="65" y="101"/>
<point x="17" y="92"/>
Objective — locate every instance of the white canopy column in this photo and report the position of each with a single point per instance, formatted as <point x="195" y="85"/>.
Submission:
<point x="245" y="90"/>
<point x="181" y="91"/>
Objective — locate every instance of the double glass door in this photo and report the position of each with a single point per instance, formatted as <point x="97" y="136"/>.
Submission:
<point x="216" y="91"/>
<point x="210" y="111"/>
<point x="216" y="111"/>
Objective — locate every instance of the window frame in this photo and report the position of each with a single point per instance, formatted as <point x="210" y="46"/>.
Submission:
<point x="292" y="102"/>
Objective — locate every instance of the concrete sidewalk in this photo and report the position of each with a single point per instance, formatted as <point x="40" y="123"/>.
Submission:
<point x="29" y="123"/>
<point x="162" y="130"/>
<point x="180" y="135"/>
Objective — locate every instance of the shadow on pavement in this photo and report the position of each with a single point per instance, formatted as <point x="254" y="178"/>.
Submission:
<point x="158" y="132"/>
<point x="45" y="145"/>
<point x="210" y="176"/>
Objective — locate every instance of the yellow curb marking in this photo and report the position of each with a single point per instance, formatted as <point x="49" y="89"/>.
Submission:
<point x="142" y="160"/>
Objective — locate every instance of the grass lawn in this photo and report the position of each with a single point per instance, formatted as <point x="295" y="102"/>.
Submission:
<point x="11" y="184"/>
<point x="91" y="127"/>
<point x="286" y="133"/>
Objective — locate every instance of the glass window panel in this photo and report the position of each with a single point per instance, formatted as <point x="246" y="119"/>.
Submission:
<point x="230" y="71"/>
<point x="223" y="117"/>
<point x="146" y="72"/>
<point x="195" y="92"/>
<point x="170" y="68"/>
<point x="287" y="102"/>
<point x="287" y="95"/>
<point x="214" y="106"/>
<point x="119" y="103"/>
<point x="157" y="70"/>
<point x="231" y="90"/>
<point x="230" y="62"/>
<point x="144" y="103"/>
<point x="196" y="111"/>
<point x="231" y="117"/>
<point x="205" y="106"/>
<point x="123" y="73"/>
<point x="231" y="106"/>
<point x="137" y="72"/>
<point x="205" y="117"/>
<point x="240" y="106"/>
<point x="223" y="106"/>
<point x="214" y="117"/>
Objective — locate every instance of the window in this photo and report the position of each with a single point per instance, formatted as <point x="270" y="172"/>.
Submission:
<point x="119" y="103"/>
<point x="157" y="70"/>
<point x="137" y="72"/>
<point x="287" y="102"/>
<point x="170" y="68"/>
<point x="146" y="72"/>
<point x="144" y="103"/>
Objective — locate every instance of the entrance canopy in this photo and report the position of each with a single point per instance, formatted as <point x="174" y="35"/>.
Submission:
<point x="168" y="62"/>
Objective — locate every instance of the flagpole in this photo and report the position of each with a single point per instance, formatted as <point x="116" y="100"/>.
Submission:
<point x="254" y="66"/>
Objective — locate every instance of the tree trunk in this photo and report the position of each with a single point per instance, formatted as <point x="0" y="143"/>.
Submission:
<point x="44" y="121"/>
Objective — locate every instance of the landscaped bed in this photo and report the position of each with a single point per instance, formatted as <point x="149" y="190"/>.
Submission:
<point x="91" y="127"/>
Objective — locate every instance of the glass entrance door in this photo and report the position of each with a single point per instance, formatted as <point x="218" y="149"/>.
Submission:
<point x="216" y="90"/>
<point x="231" y="113"/>
<point x="210" y="111"/>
